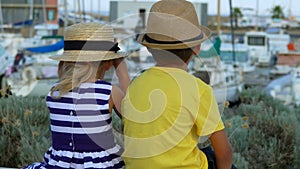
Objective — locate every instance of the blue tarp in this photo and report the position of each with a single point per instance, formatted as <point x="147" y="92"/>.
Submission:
<point x="50" y="48"/>
<point x="23" y="23"/>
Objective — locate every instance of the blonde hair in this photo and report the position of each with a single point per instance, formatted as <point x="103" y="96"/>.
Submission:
<point x="73" y="74"/>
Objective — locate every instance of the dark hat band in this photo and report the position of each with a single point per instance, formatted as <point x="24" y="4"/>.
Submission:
<point x="150" y="40"/>
<point x="91" y="45"/>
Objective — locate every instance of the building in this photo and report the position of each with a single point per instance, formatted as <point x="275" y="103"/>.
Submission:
<point x="122" y="10"/>
<point x="32" y="11"/>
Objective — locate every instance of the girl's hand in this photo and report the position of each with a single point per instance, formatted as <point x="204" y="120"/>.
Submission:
<point x="117" y="62"/>
<point x="122" y="73"/>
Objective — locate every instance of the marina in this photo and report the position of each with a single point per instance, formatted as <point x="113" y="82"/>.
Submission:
<point x="253" y="68"/>
<point x="246" y="57"/>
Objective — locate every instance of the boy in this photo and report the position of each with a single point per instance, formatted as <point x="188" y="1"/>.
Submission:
<point x="166" y="110"/>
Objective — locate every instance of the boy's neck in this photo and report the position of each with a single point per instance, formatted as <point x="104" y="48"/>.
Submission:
<point x="179" y="66"/>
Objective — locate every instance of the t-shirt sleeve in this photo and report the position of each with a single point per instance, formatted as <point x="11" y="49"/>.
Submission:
<point x="208" y="119"/>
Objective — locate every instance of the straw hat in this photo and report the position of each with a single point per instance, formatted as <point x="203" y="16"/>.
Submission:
<point x="173" y="24"/>
<point x="85" y="42"/>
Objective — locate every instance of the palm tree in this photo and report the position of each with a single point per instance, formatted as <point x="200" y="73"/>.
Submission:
<point x="277" y="12"/>
<point x="237" y="13"/>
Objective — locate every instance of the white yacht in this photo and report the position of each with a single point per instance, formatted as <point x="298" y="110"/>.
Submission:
<point x="264" y="46"/>
<point x="286" y="88"/>
<point x="226" y="81"/>
<point x="240" y="58"/>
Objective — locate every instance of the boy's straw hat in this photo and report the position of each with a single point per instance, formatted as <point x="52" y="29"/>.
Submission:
<point x="86" y="42"/>
<point x="173" y="24"/>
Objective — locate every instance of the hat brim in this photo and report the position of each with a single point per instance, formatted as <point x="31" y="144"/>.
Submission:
<point x="88" y="56"/>
<point x="187" y="44"/>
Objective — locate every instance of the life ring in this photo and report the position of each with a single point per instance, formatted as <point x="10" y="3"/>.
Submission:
<point x="28" y="74"/>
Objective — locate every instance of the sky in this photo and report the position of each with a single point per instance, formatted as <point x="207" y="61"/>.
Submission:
<point x="264" y="6"/>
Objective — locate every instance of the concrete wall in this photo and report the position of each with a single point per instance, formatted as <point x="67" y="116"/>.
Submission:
<point x="121" y="9"/>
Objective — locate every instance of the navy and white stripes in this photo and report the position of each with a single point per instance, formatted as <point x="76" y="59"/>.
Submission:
<point x="81" y="130"/>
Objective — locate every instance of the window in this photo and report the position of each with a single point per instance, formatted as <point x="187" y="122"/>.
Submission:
<point x="36" y="14"/>
<point x="51" y="15"/>
<point x="240" y="56"/>
<point x="256" y="41"/>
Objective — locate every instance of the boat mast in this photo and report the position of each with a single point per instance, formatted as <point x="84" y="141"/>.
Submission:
<point x="256" y="18"/>
<point x="66" y="16"/>
<point x="44" y="11"/>
<point x="99" y="5"/>
<point x="31" y="17"/>
<point x="83" y="11"/>
<point x="232" y="31"/>
<point x="290" y="11"/>
<point x="1" y="18"/>
<point x="219" y="19"/>
<point x="79" y="10"/>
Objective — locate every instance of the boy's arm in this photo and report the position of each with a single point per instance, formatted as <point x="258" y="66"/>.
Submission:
<point x="222" y="149"/>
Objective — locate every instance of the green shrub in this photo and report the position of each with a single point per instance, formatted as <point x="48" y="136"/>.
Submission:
<point x="24" y="130"/>
<point x="269" y="136"/>
<point x="263" y="132"/>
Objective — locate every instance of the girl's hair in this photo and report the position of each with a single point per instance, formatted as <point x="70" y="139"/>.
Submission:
<point x="73" y="74"/>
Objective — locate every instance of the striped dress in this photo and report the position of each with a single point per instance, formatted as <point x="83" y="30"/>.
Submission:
<point x="81" y="130"/>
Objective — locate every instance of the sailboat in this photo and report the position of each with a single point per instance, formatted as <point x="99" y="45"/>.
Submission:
<point x="32" y="72"/>
<point x="226" y="81"/>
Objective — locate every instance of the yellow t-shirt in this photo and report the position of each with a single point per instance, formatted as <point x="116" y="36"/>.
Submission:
<point x="165" y="111"/>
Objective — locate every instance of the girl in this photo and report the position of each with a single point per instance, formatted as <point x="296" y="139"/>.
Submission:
<point x="81" y="103"/>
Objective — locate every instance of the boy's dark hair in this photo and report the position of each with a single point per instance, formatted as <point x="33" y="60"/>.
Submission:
<point x="171" y="55"/>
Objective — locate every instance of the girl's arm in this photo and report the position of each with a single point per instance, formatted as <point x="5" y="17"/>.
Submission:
<point x="115" y="100"/>
<point x="122" y="73"/>
<point x="118" y="93"/>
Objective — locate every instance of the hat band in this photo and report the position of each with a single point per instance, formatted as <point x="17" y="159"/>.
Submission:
<point x="150" y="40"/>
<point x="91" y="45"/>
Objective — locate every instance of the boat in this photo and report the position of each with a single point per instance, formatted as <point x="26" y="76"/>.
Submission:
<point x="258" y="47"/>
<point x="286" y="61"/>
<point x="5" y="61"/>
<point x="240" y="59"/>
<point x="265" y="46"/>
<point x="286" y="88"/>
<point x="290" y="58"/>
<point x="280" y="70"/>
<point x="226" y="81"/>
<point x="278" y="39"/>
<point x="33" y="72"/>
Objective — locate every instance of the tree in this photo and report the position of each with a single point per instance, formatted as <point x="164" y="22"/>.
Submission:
<point x="237" y="13"/>
<point x="277" y="12"/>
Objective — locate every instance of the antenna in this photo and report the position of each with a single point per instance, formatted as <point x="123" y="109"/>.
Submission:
<point x="1" y="18"/>
<point x="232" y="30"/>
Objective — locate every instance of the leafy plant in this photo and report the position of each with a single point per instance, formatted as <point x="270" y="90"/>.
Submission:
<point x="25" y="132"/>
<point x="264" y="132"/>
<point x="24" y="129"/>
